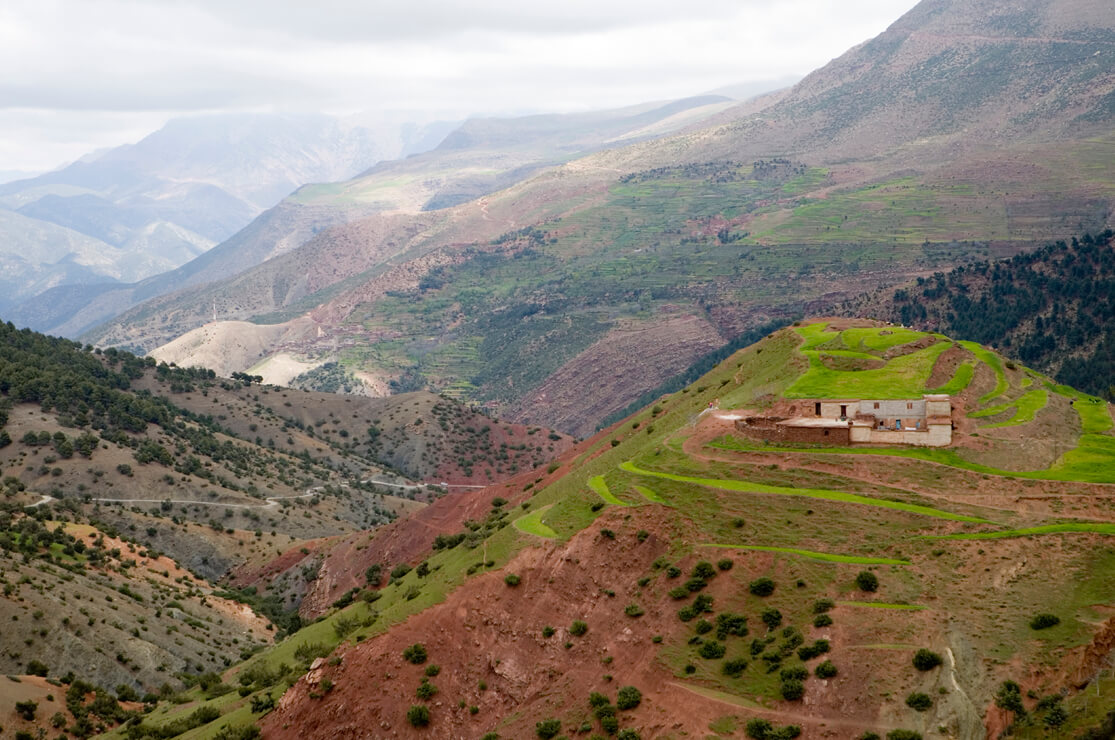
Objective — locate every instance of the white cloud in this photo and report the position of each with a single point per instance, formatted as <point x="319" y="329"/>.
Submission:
<point x="110" y="68"/>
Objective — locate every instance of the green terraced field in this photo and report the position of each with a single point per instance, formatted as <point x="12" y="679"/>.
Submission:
<point x="990" y="359"/>
<point x="532" y="524"/>
<point x="649" y="495"/>
<point x="823" y="556"/>
<point x="597" y="484"/>
<point x="1025" y="407"/>
<point x="748" y="487"/>
<point x="1063" y="528"/>
<point x="960" y="380"/>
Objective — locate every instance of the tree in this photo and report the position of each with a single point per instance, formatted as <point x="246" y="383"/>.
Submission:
<point x="762" y="587"/>
<point x="926" y="660"/>
<point x="547" y="728"/>
<point x="628" y="697"/>
<point x="867" y="581"/>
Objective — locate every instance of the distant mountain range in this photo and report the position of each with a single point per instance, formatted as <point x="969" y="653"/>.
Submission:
<point x="138" y="210"/>
<point x="965" y="131"/>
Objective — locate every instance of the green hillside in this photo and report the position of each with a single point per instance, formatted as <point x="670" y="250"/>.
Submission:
<point x="737" y="577"/>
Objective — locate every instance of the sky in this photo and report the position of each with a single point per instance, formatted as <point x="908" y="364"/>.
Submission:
<point x="81" y="75"/>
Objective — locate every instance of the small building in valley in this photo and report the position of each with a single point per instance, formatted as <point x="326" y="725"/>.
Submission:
<point x="924" y="422"/>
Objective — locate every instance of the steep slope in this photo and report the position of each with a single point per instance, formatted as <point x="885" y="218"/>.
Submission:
<point x="163" y="201"/>
<point x="964" y="132"/>
<point x="732" y="579"/>
<point x="1051" y="309"/>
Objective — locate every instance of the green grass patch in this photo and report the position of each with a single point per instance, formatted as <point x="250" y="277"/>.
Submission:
<point x="823" y="556"/>
<point x="748" y="487"/>
<point x="903" y="377"/>
<point x="990" y="359"/>
<point x="532" y="524"/>
<point x="1063" y="528"/>
<point x="650" y="495"/>
<point x="883" y="605"/>
<point x="596" y="483"/>
<point x="960" y="380"/>
<point x="1026" y="408"/>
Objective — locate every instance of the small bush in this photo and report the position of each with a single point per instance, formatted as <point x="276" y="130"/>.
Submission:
<point x="702" y="627"/>
<point x="808" y="652"/>
<point x="628" y="697"/>
<point x="596" y="699"/>
<point x="432" y="670"/>
<point x="734" y="667"/>
<point x="926" y="660"/>
<point x="511" y="579"/>
<point x="712" y="650"/>
<point x="758" y="728"/>
<point x="415" y="654"/>
<point x="548" y="631"/>
<point x="628" y="734"/>
<point x="792" y="690"/>
<point x="672" y="571"/>
<point x="1044" y="621"/>
<point x="633" y="610"/>
<point x="919" y="702"/>
<point x="796" y="673"/>
<point x="418" y="715"/>
<point x="547" y="728"/>
<point x="822" y="620"/>
<point x="725" y="564"/>
<point x="822" y="605"/>
<point x="728" y="623"/>
<point x="426" y="690"/>
<point x="867" y="581"/>
<point x="679" y="593"/>
<point x="578" y="628"/>
<point x="903" y="735"/>
<point x="771" y="618"/>
<point x="704" y="570"/>
<point x="825" y="670"/>
<point x="762" y="587"/>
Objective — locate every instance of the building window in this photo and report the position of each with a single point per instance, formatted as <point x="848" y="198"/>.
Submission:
<point x="876" y="404"/>
<point x="909" y="406"/>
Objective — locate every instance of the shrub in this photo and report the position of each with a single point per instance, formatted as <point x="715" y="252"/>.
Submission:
<point x="919" y="702"/>
<point x="628" y="734"/>
<point x="628" y="697"/>
<point x="792" y="690"/>
<point x="608" y="534"/>
<point x="596" y="699"/>
<point x="633" y="610"/>
<point x="926" y="660"/>
<point x="433" y="670"/>
<point x="418" y="715"/>
<point x="758" y="728"/>
<point x="37" y="668"/>
<point x="1009" y="697"/>
<point x="734" y="667"/>
<point x="822" y="620"/>
<point x="703" y="570"/>
<point x="820" y="606"/>
<point x="825" y="670"/>
<point x="511" y="579"/>
<point x="578" y="628"/>
<point x="547" y="728"/>
<point x="725" y="564"/>
<point x="609" y="724"/>
<point x="415" y="654"/>
<point x="490" y="736"/>
<point x="426" y="690"/>
<point x="808" y="652"/>
<point x="694" y="585"/>
<point x="1044" y="621"/>
<point x="903" y="735"/>
<point x="867" y="581"/>
<point x="712" y="650"/>
<point x="762" y="587"/>
<point x="26" y="709"/>
<point x="771" y="618"/>
<point x="548" y="631"/>
<point x="869" y="736"/>
<point x="730" y="624"/>
<point x="796" y="673"/>
<point x="673" y="571"/>
<point x="679" y="593"/>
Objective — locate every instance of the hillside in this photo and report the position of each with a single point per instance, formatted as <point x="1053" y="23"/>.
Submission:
<point x="963" y="133"/>
<point x="129" y="488"/>
<point x="742" y="587"/>
<point x="1051" y="308"/>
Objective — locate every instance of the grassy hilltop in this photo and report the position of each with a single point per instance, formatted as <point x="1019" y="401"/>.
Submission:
<point x="844" y="592"/>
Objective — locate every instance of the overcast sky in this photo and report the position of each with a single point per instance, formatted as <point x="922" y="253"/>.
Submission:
<point x="85" y="74"/>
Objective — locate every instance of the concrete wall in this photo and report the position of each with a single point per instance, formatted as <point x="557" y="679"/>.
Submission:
<point x="938" y="435"/>
<point x="938" y="406"/>
<point x="904" y="409"/>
